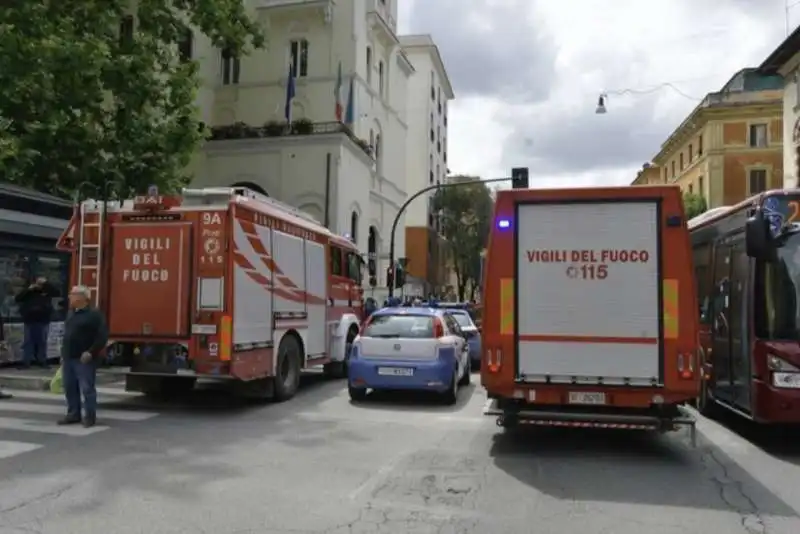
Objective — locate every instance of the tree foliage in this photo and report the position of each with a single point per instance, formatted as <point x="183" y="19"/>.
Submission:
<point x="83" y="103"/>
<point x="694" y="205"/>
<point x="466" y="220"/>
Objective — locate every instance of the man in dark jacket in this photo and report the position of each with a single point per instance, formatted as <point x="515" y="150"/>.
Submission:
<point x="85" y="337"/>
<point x="36" y="308"/>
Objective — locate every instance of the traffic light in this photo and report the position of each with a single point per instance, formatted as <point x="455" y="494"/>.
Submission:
<point x="519" y="178"/>
<point x="399" y="276"/>
<point x="389" y="277"/>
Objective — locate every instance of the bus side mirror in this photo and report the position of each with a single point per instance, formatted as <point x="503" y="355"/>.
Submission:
<point x="757" y="236"/>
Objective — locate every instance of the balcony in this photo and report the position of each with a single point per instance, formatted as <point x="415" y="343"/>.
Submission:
<point x="297" y="7"/>
<point x="381" y="22"/>
<point x="298" y="128"/>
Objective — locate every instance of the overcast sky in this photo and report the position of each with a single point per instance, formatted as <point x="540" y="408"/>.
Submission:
<point x="527" y="74"/>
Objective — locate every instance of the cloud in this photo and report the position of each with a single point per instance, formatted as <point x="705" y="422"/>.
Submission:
<point x="527" y="75"/>
<point x="491" y="48"/>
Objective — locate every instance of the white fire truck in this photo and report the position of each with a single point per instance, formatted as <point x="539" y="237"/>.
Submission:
<point x="220" y="283"/>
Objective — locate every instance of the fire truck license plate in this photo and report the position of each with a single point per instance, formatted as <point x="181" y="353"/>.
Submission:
<point x="395" y="371"/>
<point x="586" y="398"/>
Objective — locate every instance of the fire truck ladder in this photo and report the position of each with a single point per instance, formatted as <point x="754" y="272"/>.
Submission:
<point x="90" y="250"/>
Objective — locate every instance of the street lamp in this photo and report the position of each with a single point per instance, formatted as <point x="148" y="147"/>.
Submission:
<point x="601" y="104"/>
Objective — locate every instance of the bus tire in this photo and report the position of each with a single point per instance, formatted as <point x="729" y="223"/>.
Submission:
<point x="287" y="375"/>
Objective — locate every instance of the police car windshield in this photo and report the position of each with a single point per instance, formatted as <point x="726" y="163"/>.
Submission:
<point x="400" y="326"/>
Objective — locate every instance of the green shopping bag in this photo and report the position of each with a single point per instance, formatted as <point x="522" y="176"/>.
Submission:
<point x="57" y="383"/>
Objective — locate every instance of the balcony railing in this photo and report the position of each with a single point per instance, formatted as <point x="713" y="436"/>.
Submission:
<point x="301" y="127"/>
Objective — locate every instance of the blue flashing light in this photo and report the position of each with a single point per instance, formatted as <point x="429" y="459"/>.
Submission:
<point x="503" y="224"/>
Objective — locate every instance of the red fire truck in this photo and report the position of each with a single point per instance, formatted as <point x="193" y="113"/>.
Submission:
<point x="220" y="283"/>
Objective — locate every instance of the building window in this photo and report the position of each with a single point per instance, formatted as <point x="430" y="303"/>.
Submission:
<point x="757" y="181"/>
<point x="700" y="145"/>
<point x="691" y="189"/>
<point x="298" y="50"/>
<point x="230" y="67"/>
<point x="691" y="153"/>
<point x="378" y="147"/>
<point x="681" y="160"/>
<point x="673" y="168"/>
<point x="185" y="46"/>
<point x="126" y="31"/>
<point x="369" y="65"/>
<point x="381" y="81"/>
<point x="758" y="135"/>
<point x="700" y="187"/>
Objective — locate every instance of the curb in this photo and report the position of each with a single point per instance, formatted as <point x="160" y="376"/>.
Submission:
<point x="22" y="382"/>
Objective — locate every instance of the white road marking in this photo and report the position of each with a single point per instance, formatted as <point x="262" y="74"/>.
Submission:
<point x="9" y="449"/>
<point x="52" y="409"/>
<point x="47" y="427"/>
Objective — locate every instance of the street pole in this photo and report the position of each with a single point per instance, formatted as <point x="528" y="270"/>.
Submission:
<point x="402" y="209"/>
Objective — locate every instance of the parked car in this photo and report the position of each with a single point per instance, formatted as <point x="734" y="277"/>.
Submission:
<point x="472" y="333"/>
<point x="409" y="349"/>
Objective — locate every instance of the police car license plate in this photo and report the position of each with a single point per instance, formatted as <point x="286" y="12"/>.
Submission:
<point x="395" y="371"/>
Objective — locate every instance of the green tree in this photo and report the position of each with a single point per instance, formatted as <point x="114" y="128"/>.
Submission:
<point x="694" y="205"/>
<point x="87" y="101"/>
<point x="466" y="220"/>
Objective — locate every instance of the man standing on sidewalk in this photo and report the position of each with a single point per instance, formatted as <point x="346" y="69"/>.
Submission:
<point x="36" y="308"/>
<point x="85" y="337"/>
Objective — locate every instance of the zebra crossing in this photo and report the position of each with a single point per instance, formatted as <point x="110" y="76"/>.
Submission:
<point x="31" y="416"/>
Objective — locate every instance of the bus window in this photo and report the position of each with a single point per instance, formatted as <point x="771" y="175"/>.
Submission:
<point x="702" y="264"/>
<point x="778" y="293"/>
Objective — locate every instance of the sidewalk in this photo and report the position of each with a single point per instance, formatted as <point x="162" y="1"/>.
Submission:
<point x="37" y="379"/>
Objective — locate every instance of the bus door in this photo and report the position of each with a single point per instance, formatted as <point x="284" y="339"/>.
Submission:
<point x="721" y="323"/>
<point x="741" y="302"/>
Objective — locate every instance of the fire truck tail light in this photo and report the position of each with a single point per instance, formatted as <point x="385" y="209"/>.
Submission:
<point x="494" y="360"/>
<point x="225" y="338"/>
<point x="685" y="366"/>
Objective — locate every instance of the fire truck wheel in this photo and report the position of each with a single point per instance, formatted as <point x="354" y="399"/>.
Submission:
<point x="339" y="369"/>
<point x="287" y="379"/>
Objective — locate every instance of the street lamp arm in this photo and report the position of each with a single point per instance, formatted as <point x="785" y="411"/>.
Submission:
<point x="434" y="187"/>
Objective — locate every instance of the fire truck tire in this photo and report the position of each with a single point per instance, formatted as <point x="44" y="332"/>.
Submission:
<point x="339" y="369"/>
<point x="287" y="379"/>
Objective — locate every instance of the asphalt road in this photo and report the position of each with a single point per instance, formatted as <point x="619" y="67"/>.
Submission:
<point x="396" y="464"/>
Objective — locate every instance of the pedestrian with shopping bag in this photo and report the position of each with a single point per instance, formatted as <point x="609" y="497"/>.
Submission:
<point x="85" y="338"/>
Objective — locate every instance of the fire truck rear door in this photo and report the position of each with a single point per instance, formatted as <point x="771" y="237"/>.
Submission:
<point x="150" y="283"/>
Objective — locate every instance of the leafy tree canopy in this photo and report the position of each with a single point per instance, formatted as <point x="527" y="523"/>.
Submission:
<point x="694" y="205"/>
<point x="82" y="100"/>
<point x="466" y="220"/>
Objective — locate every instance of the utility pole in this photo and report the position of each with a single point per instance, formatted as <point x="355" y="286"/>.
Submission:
<point x="520" y="177"/>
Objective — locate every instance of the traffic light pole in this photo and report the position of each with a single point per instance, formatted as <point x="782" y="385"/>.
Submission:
<point x="434" y="187"/>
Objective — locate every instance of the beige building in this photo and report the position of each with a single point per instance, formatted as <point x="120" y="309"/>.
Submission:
<point x="731" y="145"/>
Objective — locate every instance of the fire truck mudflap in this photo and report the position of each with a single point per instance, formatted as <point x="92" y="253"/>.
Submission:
<point x="149" y="286"/>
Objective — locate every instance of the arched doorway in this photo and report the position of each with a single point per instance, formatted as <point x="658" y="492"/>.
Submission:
<point x="251" y="186"/>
